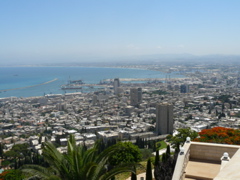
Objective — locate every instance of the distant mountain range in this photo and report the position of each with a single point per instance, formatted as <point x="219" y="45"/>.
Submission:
<point x="130" y="60"/>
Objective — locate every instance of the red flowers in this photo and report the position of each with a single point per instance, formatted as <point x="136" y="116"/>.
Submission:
<point x="220" y="135"/>
<point x="3" y="174"/>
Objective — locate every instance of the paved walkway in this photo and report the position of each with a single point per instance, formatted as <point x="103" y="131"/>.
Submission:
<point x="160" y="152"/>
<point x="202" y="169"/>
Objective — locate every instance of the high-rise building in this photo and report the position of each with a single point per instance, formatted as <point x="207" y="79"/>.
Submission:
<point x="164" y="118"/>
<point x="184" y="88"/>
<point x="94" y="100"/>
<point x="135" y="96"/>
<point x="116" y="84"/>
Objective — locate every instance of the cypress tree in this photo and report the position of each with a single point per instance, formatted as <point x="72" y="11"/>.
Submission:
<point x="177" y="148"/>
<point x="168" y="152"/>
<point x="1" y="150"/>
<point x="154" y="146"/>
<point x="164" y="159"/>
<point x="157" y="159"/>
<point x="15" y="164"/>
<point x="149" y="170"/>
<point x="133" y="176"/>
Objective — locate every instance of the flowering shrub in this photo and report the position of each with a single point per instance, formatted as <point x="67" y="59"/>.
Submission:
<point x="3" y="174"/>
<point x="11" y="174"/>
<point x="220" y="135"/>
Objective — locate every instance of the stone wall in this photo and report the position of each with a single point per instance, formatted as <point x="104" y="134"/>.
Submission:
<point x="211" y="151"/>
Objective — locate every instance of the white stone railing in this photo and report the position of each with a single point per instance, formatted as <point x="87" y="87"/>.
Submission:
<point x="182" y="160"/>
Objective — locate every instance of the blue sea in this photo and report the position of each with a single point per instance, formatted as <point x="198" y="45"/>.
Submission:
<point x="19" y="77"/>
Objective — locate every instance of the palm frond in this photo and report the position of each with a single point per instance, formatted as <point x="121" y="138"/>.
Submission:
<point x="78" y="163"/>
<point x="40" y="171"/>
<point x="117" y="170"/>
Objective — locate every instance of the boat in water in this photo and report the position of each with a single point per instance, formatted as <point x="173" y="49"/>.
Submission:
<point x="76" y="82"/>
<point x="73" y="84"/>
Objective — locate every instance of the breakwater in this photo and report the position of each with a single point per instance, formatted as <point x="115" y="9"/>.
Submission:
<point x="4" y="90"/>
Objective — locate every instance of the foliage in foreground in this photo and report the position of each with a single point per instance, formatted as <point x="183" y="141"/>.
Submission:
<point x="180" y="138"/>
<point x="164" y="168"/>
<point x="78" y="163"/>
<point x="11" y="174"/>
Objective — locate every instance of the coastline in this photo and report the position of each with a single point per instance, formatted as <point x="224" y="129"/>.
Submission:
<point x="117" y="67"/>
<point x="90" y="75"/>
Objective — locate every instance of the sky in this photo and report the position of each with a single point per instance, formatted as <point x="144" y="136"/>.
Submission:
<point x="81" y="30"/>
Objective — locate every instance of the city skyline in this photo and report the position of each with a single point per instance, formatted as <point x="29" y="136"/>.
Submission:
<point x="77" y="31"/>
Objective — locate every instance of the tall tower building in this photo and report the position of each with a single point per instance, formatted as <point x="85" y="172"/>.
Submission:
<point x="135" y="96"/>
<point x="164" y="118"/>
<point x="184" y="88"/>
<point x="116" y="84"/>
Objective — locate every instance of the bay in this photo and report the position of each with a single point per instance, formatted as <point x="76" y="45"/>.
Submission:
<point x="33" y="78"/>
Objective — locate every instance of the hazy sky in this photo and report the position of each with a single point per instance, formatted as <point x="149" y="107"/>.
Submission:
<point x="74" y="30"/>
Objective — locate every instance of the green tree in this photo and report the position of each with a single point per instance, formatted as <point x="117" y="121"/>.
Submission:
<point x="149" y="170"/>
<point x="146" y="153"/>
<point x="126" y="153"/>
<point x="1" y="150"/>
<point x="157" y="158"/>
<point x="18" y="150"/>
<point x="164" y="157"/>
<point x="78" y="163"/>
<point x="180" y="138"/>
<point x="134" y="175"/>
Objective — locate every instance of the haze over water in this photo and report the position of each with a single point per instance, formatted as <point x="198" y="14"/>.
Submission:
<point x="18" y="77"/>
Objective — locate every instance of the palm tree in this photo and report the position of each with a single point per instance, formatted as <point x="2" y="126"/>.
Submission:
<point x="78" y="163"/>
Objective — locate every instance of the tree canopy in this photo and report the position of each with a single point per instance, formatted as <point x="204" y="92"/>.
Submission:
<point x="18" y="150"/>
<point x="126" y="153"/>
<point x="180" y="138"/>
<point x="220" y="135"/>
